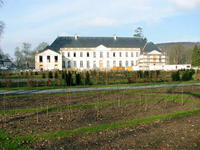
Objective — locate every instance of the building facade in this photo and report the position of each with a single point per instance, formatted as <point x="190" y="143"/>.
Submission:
<point x="99" y="53"/>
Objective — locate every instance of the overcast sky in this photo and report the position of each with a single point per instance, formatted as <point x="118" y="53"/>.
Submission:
<point x="36" y="21"/>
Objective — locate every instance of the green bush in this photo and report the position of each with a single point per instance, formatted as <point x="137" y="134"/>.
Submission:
<point x="68" y="78"/>
<point x="175" y="76"/>
<point x="78" y="79"/>
<point x="50" y="75"/>
<point x="140" y="74"/>
<point x="187" y="75"/>
<point x="36" y="73"/>
<point x="63" y="75"/>
<point x="146" y="74"/>
<point x="87" y="78"/>
<point x="56" y="75"/>
<point x="157" y="73"/>
<point x="43" y="75"/>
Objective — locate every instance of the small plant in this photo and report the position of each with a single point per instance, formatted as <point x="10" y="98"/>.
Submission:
<point x="187" y="75"/>
<point x="157" y="73"/>
<point x="146" y="74"/>
<point x="49" y="82"/>
<point x="30" y="82"/>
<point x="175" y="76"/>
<point x="78" y="79"/>
<point x="140" y="74"/>
<point x="56" y="75"/>
<point x="9" y="83"/>
<point x="87" y="78"/>
<point x="50" y="75"/>
<point x="68" y="78"/>
<point x="63" y="75"/>
<point x="58" y="82"/>
<point x="36" y="73"/>
<point x="43" y="75"/>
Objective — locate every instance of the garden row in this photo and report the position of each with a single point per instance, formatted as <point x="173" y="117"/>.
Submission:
<point x="100" y="127"/>
<point x="73" y="78"/>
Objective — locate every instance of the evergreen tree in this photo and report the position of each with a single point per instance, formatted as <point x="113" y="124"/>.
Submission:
<point x="87" y="78"/>
<point x="78" y="79"/>
<point x="68" y="78"/>
<point x="50" y="75"/>
<point x="196" y="56"/>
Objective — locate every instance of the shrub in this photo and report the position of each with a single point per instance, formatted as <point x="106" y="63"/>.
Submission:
<point x="87" y="78"/>
<point x="43" y="75"/>
<point x="49" y="82"/>
<point x="68" y="78"/>
<point x="78" y="79"/>
<point x="36" y="73"/>
<point x="26" y="74"/>
<point x="140" y="74"/>
<point x="63" y="75"/>
<point x="187" y="75"/>
<point x="30" y="83"/>
<point x="59" y="83"/>
<point x="56" y="75"/>
<point x="157" y="73"/>
<point x="146" y="74"/>
<point x="8" y="83"/>
<point x="175" y="76"/>
<point x="50" y="75"/>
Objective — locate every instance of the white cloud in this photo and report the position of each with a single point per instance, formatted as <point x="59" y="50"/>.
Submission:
<point x="98" y="13"/>
<point x="188" y="4"/>
<point x="99" y="21"/>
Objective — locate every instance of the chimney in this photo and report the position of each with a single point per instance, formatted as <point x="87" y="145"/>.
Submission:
<point x="115" y="36"/>
<point x="75" y="36"/>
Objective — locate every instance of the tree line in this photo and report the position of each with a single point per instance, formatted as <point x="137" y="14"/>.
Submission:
<point x="25" y="56"/>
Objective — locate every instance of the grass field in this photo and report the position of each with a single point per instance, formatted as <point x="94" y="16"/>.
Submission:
<point x="159" y="118"/>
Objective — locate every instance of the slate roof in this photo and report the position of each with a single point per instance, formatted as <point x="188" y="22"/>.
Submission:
<point x="150" y="46"/>
<point x="90" y="42"/>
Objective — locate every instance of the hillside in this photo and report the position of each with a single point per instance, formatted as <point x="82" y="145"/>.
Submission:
<point x="178" y="52"/>
<point x="167" y="46"/>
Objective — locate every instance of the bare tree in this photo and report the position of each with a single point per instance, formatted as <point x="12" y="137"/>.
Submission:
<point x="1" y="22"/>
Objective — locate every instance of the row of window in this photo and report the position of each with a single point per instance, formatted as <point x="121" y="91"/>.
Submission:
<point x="115" y="63"/>
<point x="74" y="54"/>
<point x="48" y="59"/>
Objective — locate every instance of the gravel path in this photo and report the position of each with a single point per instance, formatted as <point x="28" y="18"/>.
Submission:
<point x="18" y="92"/>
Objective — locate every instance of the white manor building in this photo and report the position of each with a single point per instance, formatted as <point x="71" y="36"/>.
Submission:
<point x="100" y="53"/>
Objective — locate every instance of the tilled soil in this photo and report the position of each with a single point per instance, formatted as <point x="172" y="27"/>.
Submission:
<point x="179" y="133"/>
<point x="170" y="134"/>
<point x="64" y="99"/>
